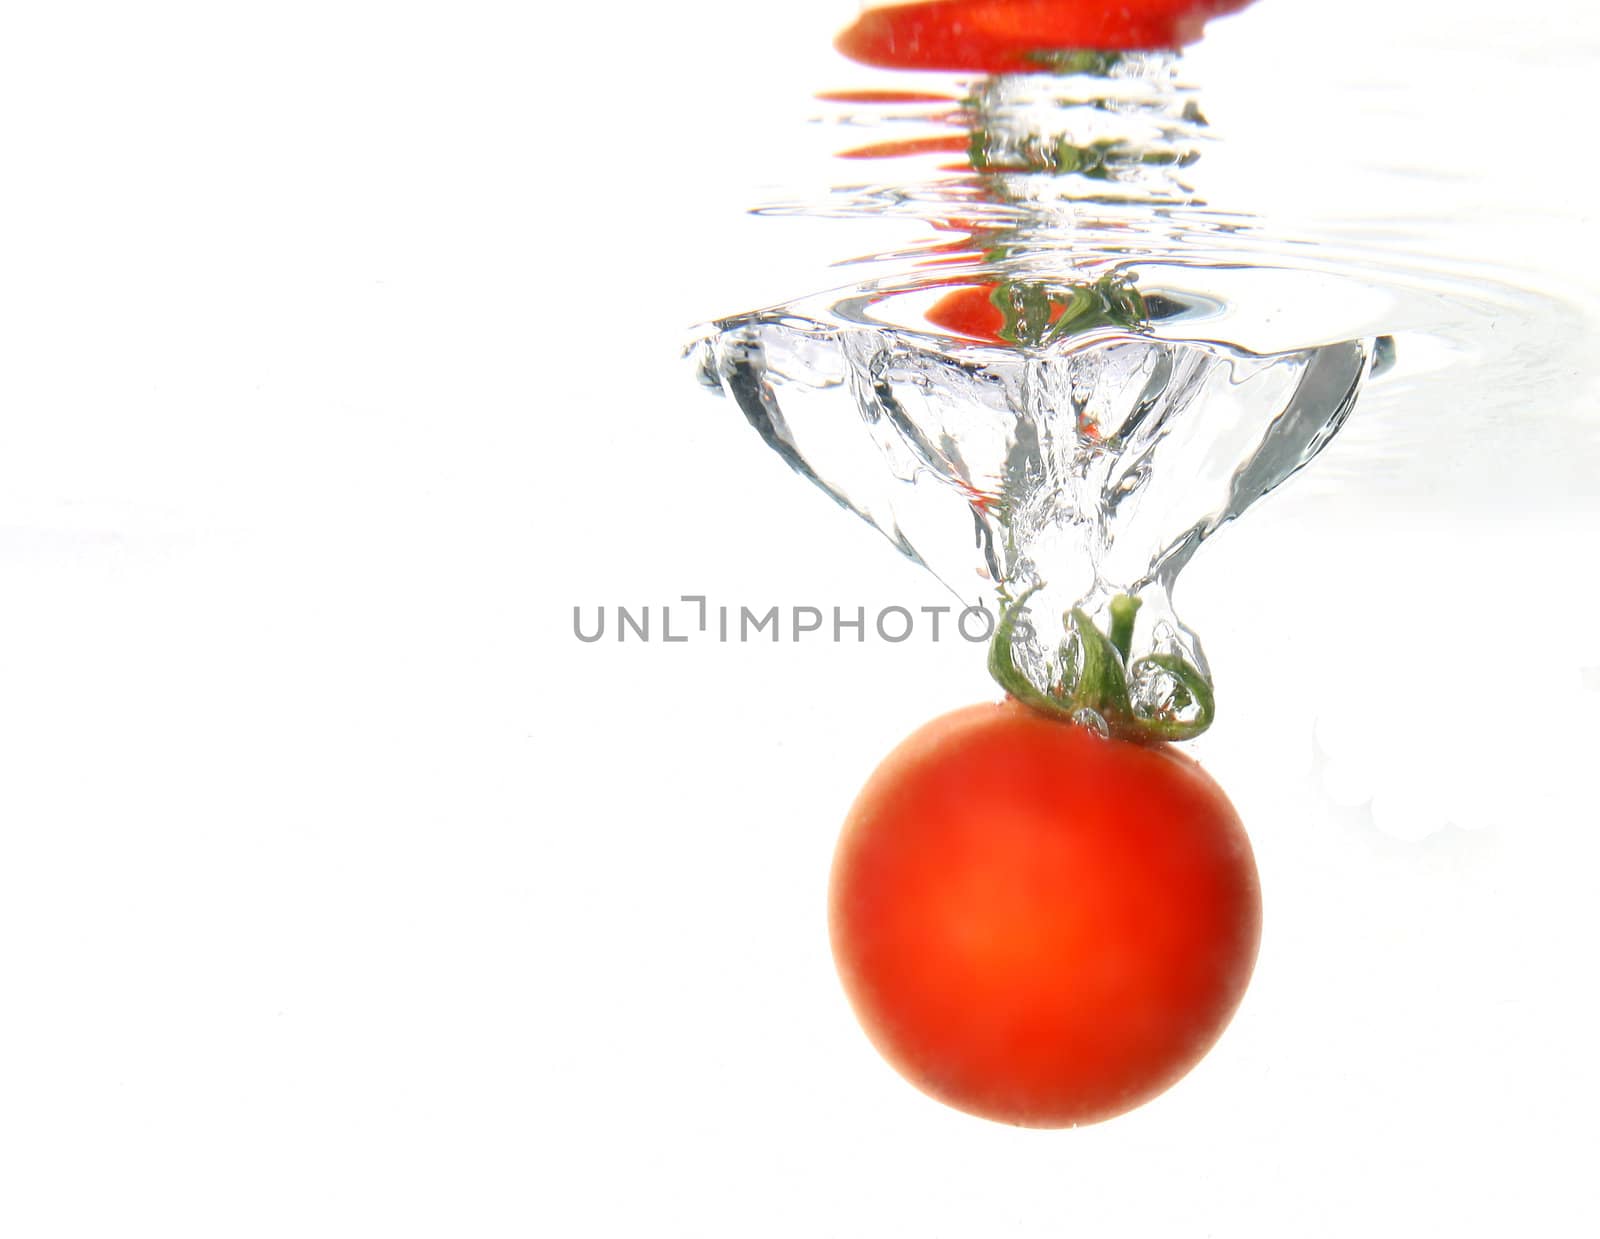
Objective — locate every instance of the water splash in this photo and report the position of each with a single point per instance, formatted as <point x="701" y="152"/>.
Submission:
<point x="1078" y="367"/>
<point x="1082" y="455"/>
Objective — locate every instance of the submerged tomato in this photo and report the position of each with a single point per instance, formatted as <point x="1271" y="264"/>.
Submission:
<point x="1019" y="36"/>
<point x="969" y="311"/>
<point x="1038" y="925"/>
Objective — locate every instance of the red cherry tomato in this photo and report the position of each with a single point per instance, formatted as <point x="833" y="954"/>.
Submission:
<point x="1038" y="925"/>
<point x="969" y="311"/>
<point x="1018" y="36"/>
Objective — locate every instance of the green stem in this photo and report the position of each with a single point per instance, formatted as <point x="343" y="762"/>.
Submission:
<point x="1123" y="608"/>
<point x="1191" y="682"/>
<point x="1003" y="666"/>
<point x="1104" y="675"/>
<point x="1103" y="682"/>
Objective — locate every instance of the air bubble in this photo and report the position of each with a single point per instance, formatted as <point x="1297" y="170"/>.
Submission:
<point x="1093" y="720"/>
<point x="1156" y="693"/>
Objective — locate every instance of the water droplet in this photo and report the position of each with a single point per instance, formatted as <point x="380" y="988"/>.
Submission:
<point x="1092" y="719"/>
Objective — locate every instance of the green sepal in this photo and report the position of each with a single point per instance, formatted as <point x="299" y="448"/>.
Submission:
<point x="1099" y="679"/>
<point x="1190" y="681"/>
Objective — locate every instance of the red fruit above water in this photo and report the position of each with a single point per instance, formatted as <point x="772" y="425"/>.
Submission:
<point x="1020" y="36"/>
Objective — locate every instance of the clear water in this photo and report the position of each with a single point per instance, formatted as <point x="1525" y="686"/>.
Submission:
<point x="1408" y="225"/>
<point x="1077" y="369"/>
<point x="1082" y="470"/>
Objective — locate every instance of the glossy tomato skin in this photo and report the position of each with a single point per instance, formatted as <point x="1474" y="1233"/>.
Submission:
<point x="1017" y="36"/>
<point x="1038" y="925"/>
<point x="970" y="312"/>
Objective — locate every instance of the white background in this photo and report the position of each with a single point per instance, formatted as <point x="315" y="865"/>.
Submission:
<point x="343" y="892"/>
